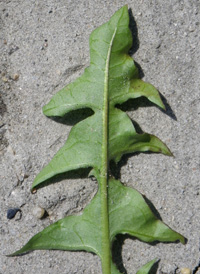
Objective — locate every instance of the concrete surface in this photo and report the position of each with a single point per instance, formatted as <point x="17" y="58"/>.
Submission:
<point x="44" y="46"/>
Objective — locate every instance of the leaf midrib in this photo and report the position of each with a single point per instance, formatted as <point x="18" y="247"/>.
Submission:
<point x="103" y="184"/>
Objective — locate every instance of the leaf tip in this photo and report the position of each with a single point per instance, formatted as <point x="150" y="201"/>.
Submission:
<point x="162" y="106"/>
<point x="16" y="253"/>
<point x="147" y="267"/>
<point x="170" y="153"/>
<point x="183" y="240"/>
<point x="45" y="110"/>
<point x="10" y="255"/>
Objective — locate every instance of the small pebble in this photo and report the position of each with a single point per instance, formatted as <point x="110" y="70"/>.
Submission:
<point x="38" y="212"/>
<point x="5" y="79"/>
<point x="191" y="28"/>
<point x="12" y="212"/>
<point x="15" y="77"/>
<point x="34" y="190"/>
<point x="185" y="270"/>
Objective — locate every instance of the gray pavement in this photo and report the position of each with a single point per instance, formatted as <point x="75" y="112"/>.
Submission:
<point x="44" y="46"/>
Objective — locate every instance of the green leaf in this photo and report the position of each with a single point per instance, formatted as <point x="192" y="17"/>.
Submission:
<point x="139" y="88"/>
<point x="111" y="79"/>
<point x="128" y="214"/>
<point x="147" y="267"/>
<point x="112" y="72"/>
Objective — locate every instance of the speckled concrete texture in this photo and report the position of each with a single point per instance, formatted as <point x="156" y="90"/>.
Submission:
<point x="44" y="46"/>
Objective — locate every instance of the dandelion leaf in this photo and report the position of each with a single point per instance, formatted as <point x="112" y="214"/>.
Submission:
<point x="111" y="79"/>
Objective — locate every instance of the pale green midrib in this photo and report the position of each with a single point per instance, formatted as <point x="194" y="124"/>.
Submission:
<point x="106" y="252"/>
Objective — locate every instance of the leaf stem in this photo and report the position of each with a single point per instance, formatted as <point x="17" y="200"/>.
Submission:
<point x="106" y="252"/>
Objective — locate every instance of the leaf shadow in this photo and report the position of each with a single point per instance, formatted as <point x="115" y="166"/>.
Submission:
<point x="152" y="207"/>
<point x="168" y="110"/>
<point x="80" y="173"/>
<point x="73" y="117"/>
<point x="117" y="254"/>
<point x="154" y="268"/>
<point x="135" y="46"/>
<point x="134" y="104"/>
<point x="117" y="251"/>
<point x="134" y="31"/>
<point x="116" y="168"/>
<point x="136" y="43"/>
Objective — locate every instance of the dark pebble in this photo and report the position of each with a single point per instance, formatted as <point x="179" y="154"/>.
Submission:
<point x="12" y="49"/>
<point x="12" y="212"/>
